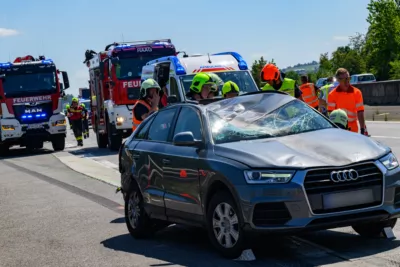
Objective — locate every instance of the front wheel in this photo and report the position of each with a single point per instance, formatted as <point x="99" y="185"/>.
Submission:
<point x="4" y="150"/>
<point x="224" y="225"/>
<point x="374" y="229"/>
<point x="58" y="142"/>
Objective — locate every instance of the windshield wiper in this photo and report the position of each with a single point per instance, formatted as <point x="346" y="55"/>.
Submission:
<point x="262" y="136"/>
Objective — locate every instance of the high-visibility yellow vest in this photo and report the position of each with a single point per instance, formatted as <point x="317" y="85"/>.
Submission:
<point x="288" y="86"/>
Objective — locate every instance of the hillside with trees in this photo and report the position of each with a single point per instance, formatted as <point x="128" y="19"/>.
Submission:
<point x="377" y="51"/>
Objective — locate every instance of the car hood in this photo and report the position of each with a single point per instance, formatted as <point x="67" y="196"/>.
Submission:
<point x="329" y="147"/>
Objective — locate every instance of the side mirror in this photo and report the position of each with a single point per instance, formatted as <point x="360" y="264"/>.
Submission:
<point x="185" y="139"/>
<point x="65" y="80"/>
<point x="172" y="99"/>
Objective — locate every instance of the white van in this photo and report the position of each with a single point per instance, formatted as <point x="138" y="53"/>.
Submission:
<point x="362" y="78"/>
<point x="229" y="66"/>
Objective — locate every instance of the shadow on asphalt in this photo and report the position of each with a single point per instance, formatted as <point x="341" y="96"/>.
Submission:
<point x="180" y="245"/>
<point x="93" y="152"/>
<point x="118" y="220"/>
<point x="16" y="152"/>
<point x="352" y="245"/>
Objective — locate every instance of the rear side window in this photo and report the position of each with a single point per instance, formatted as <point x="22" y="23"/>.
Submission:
<point x="143" y="131"/>
<point x="159" y="129"/>
<point x="366" y="78"/>
<point x="189" y="121"/>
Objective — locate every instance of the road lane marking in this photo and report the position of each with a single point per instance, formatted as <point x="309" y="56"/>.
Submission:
<point x="388" y="137"/>
<point x="381" y="122"/>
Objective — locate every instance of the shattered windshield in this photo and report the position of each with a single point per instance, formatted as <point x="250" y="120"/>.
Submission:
<point x="261" y="116"/>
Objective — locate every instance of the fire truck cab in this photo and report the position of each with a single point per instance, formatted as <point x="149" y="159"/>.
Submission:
<point x="115" y="79"/>
<point x="31" y="104"/>
<point x="179" y="71"/>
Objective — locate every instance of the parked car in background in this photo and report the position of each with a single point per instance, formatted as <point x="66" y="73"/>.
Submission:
<point x="255" y="163"/>
<point x="362" y="78"/>
<point x="323" y="81"/>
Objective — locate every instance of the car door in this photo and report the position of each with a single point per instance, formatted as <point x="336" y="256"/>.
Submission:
<point x="181" y="168"/>
<point x="149" y="154"/>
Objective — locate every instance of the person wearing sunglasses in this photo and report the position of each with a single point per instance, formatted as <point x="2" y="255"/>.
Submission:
<point x="202" y="87"/>
<point x="340" y="119"/>
<point x="349" y="99"/>
<point x="230" y="90"/>
<point x="275" y="81"/>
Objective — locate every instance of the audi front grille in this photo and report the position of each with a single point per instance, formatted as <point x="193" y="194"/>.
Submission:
<point x="321" y="182"/>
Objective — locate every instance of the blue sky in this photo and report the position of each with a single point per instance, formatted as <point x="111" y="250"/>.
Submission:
<point x="290" y="31"/>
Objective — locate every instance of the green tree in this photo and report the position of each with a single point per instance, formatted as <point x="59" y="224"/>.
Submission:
<point x="383" y="38"/>
<point x="325" y="66"/>
<point x="256" y="70"/>
<point x="395" y="70"/>
<point x="348" y="58"/>
<point x="293" y="75"/>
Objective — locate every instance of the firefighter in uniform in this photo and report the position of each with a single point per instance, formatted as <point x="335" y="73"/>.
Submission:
<point x="75" y="115"/>
<point x="67" y="106"/>
<point x="309" y="91"/>
<point x="85" y="121"/>
<point x="230" y="89"/>
<point x="323" y="95"/>
<point x="147" y="103"/>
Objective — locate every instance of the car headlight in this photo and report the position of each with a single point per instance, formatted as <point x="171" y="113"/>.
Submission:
<point x="59" y="123"/>
<point x="390" y="161"/>
<point x="8" y="127"/>
<point x="268" y="177"/>
<point x="120" y="119"/>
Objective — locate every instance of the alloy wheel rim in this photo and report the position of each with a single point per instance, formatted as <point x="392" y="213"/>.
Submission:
<point x="225" y="225"/>
<point x="133" y="210"/>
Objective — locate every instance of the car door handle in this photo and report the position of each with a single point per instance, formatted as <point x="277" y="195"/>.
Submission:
<point x="166" y="161"/>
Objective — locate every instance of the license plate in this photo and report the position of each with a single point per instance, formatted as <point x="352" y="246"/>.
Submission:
<point x="345" y="199"/>
<point x="35" y="126"/>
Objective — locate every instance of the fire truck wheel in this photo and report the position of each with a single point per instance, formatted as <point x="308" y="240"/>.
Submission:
<point x="4" y="149"/>
<point x="58" y="142"/>
<point x="114" y="138"/>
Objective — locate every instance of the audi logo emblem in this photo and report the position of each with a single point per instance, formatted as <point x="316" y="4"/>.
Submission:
<point x="344" y="176"/>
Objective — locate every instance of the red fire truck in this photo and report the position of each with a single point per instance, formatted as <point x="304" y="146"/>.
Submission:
<point x="30" y="104"/>
<point x="115" y="79"/>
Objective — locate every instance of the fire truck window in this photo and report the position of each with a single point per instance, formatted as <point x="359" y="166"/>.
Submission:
<point x="173" y="88"/>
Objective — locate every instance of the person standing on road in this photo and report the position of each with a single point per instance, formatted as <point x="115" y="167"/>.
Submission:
<point x="309" y="92"/>
<point x="85" y="122"/>
<point x="349" y="99"/>
<point x="148" y="102"/>
<point x="323" y="95"/>
<point x="273" y="77"/>
<point x="75" y="115"/>
<point x="67" y="106"/>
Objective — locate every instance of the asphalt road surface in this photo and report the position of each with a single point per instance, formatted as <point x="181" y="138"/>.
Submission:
<point x="52" y="215"/>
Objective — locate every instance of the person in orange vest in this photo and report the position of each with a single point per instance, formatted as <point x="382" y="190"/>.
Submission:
<point x="349" y="99"/>
<point x="75" y="115"/>
<point x="148" y="102"/>
<point x="310" y="92"/>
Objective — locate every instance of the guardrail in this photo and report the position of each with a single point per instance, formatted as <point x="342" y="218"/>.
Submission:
<point x="381" y="93"/>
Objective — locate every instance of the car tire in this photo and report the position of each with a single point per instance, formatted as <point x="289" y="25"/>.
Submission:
<point x="373" y="229"/>
<point x="58" y="142"/>
<point x="232" y="221"/>
<point x="4" y="150"/>
<point x="138" y="222"/>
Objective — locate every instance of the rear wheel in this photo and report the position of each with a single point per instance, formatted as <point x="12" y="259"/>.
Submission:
<point x="373" y="229"/>
<point x="224" y="225"/>
<point x="58" y="142"/>
<point x="138" y="222"/>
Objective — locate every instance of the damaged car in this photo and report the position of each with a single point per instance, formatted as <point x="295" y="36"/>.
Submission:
<point x="259" y="163"/>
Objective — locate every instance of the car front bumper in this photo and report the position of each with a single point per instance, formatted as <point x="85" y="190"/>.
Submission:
<point x="298" y="207"/>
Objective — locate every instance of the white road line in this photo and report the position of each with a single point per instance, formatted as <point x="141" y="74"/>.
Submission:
<point x="382" y="122"/>
<point x="108" y="164"/>
<point x="387" y="137"/>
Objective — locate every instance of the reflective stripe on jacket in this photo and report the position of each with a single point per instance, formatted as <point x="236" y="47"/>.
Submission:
<point x="75" y="113"/>
<point x="309" y="95"/>
<point x="135" y="122"/>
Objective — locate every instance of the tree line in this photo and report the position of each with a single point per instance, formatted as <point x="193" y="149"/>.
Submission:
<point x="377" y="51"/>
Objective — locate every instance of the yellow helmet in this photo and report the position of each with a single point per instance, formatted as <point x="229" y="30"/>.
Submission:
<point x="230" y="87"/>
<point x="339" y="117"/>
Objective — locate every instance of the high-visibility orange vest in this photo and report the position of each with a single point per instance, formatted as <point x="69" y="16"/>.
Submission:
<point x="136" y="122"/>
<point x="309" y="96"/>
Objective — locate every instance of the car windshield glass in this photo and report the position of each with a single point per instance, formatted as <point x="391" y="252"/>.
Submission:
<point x="131" y="68"/>
<point x="243" y="79"/>
<point x="365" y="78"/>
<point x="238" y="119"/>
<point x="29" y="83"/>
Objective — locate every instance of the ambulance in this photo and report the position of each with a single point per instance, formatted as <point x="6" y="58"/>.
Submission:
<point x="178" y="72"/>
